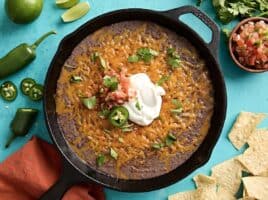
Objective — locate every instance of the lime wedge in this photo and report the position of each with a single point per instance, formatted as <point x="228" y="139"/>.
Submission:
<point x="76" y="12"/>
<point x="66" y="3"/>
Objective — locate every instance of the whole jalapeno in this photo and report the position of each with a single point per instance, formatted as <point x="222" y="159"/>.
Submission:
<point x="21" y="123"/>
<point x="8" y="91"/>
<point x="20" y="57"/>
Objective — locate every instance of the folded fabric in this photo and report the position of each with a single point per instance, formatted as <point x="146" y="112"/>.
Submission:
<point x="29" y="172"/>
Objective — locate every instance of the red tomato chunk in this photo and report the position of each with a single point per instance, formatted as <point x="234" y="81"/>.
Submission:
<point x="250" y="45"/>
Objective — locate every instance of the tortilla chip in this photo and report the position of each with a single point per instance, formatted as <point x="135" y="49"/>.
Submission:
<point x="245" y="124"/>
<point x="224" y="194"/>
<point x="203" y="180"/>
<point x="255" y="159"/>
<point x="257" y="137"/>
<point x="189" y="195"/>
<point x="208" y="192"/>
<point x="256" y="187"/>
<point x="264" y="174"/>
<point x="228" y="175"/>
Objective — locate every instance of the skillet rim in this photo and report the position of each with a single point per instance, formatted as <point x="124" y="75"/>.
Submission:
<point x="140" y="185"/>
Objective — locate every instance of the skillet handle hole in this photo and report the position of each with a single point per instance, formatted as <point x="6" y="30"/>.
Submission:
<point x="197" y="25"/>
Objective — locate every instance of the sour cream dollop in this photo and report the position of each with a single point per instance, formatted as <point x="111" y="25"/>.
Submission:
<point x="146" y="106"/>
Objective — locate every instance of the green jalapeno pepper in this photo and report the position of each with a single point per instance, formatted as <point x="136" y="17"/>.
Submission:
<point x="26" y="85"/>
<point x="20" y="57"/>
<point x="36" y="92"/>
<point x="22" y="123"/>
<point x="8" y="91"/>
<point x="118" y="116"/>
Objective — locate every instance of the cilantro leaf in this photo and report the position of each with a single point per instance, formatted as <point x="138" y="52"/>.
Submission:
<point x="101" y="159"/>
<point x="110" y="82"/>
<point x="134" y="58"/>
<point x="162" y="80"/>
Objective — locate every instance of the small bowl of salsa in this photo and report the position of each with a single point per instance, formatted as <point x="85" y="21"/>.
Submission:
<point x="248" y="44"/>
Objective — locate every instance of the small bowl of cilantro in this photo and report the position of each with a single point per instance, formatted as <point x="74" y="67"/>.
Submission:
<point x="248" y="44"/>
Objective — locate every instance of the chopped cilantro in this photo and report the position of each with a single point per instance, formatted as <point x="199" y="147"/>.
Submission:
<point x="227" y="10"/>
<point x="178" y="106"/>
<point x="110" y="82"/>
<point x="137" y="105"/>
<point x="145" y="54"/>
<point x="173" y="59"/>
<point x="101" y="159"/>
<point x="170" y="139"/>
<point x="133" y="58"/>
<point x="162" y="80"/>
<point x="158" y="146"/>
<point x="96" y="57"/>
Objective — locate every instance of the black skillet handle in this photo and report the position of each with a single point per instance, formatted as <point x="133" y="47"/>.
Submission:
<point x="69" y="177"/>
<point x="213" y="45"/>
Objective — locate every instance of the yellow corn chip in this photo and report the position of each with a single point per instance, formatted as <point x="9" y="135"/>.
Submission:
<point x="189" y="195"/>
<point x="228" y="175"/>
<point x="203" y="180"/>
<point x="245" y="124"/>
<point x="256" y="187"/>
<point x="255" y="159"/>
<point x="258" y="136"/>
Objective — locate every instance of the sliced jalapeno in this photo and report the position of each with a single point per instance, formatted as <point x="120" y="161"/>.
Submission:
<point x="9" y="91"/>
<point x="36" y="92"/>
<point x="26" y="85"/>
<point x="118" y="116"/>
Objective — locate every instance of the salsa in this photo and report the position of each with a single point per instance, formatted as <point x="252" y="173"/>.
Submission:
<point x="251" y="44"/>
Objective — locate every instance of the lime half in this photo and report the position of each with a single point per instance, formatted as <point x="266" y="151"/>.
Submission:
<point x="76" y="12"/>
<point x="66" y="3"/>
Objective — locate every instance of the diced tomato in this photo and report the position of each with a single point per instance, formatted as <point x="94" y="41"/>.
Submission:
<point x="251" y="44"/>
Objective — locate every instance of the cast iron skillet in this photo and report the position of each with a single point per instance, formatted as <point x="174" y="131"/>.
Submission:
<point x="74" y="169"/>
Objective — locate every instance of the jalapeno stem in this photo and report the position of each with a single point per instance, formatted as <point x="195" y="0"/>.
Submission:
<point x="13" y="136"/>
<point x="37" y="42"/>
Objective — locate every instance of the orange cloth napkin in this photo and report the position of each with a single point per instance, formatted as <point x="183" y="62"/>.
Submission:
<point x="29" y="172"/>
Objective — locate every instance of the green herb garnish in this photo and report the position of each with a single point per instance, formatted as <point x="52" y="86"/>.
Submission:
<point x="101" y="159"/>
<point x="104" y="113"/>
<point x="145" y="54"/>
<point x="133" y="58"/>
<point x="113" y="153"/>
<point x="173" y="59"/>
<point x="110" y="82"/>
<point x="89" y="102"/>
<point x="137" y="105"/>
<point x="158" y="146"/>
<point x="127" y="127"/>
<point x="96" y="57"/>
<point x="178" y="106"/>
<point x="162" y="80"/>
<point x="170" y="139"/>
<point x="75" y="79"/>
<point x="227" y="10"/>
